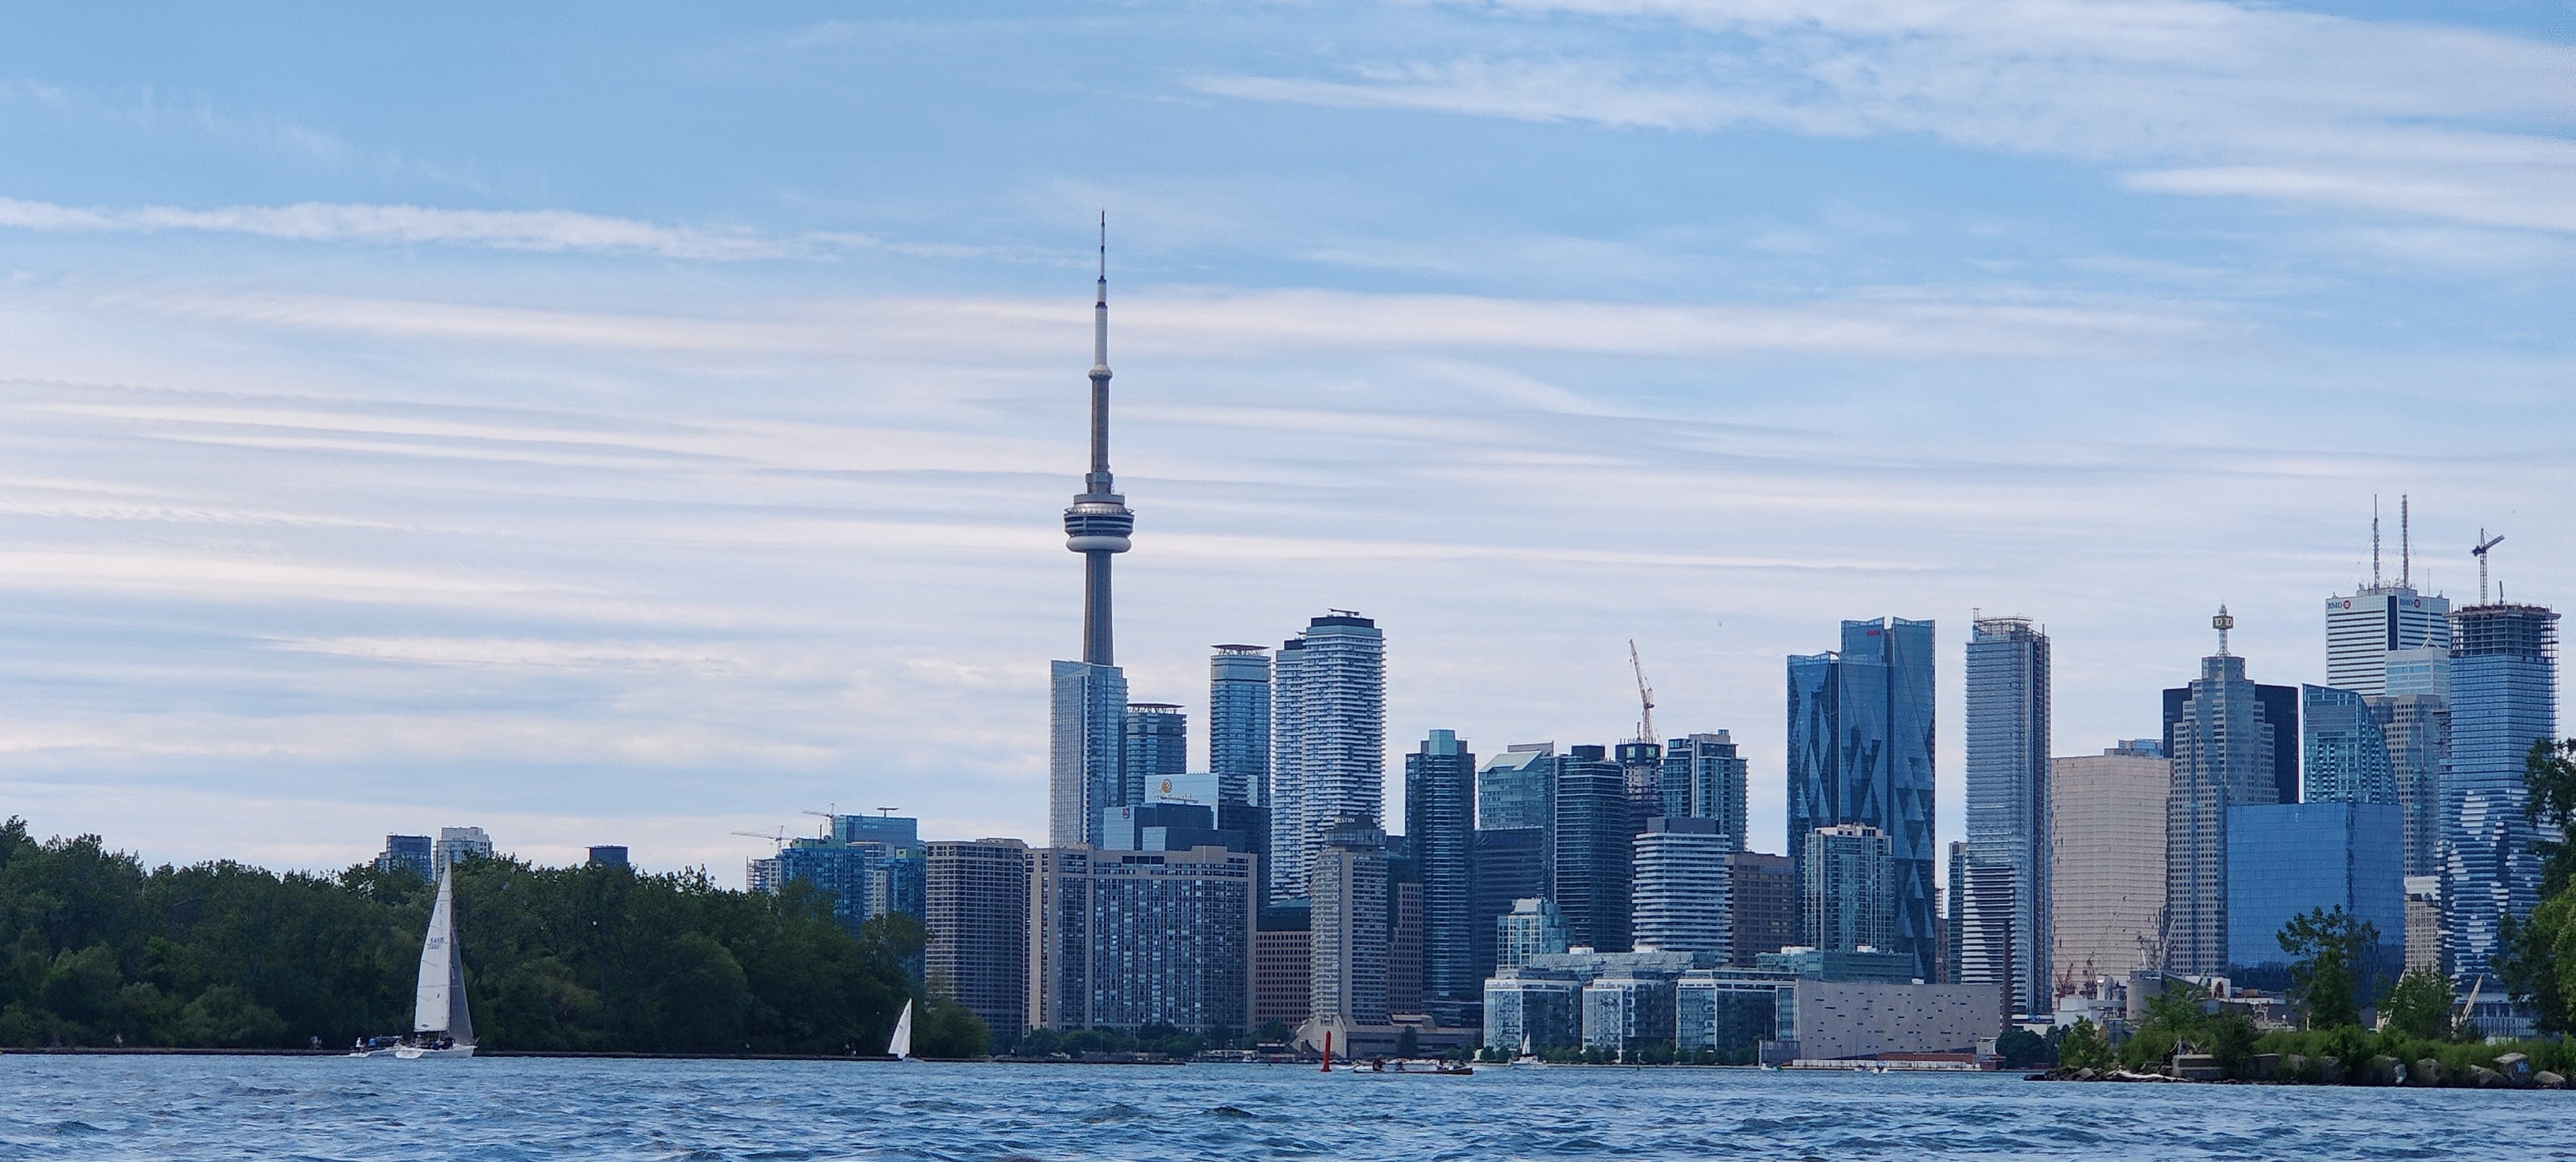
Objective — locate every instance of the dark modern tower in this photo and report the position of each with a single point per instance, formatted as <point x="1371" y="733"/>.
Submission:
<point x="2504" y="697"/>
<point x="1157" y="744"/>
<point x="2008" y="812"/>
<point x="1088" y="699"/>
<point x="1592" y="842"/>
<point x="1239" y="723"/>
<point x="1440" y="823"/>
<point x="1704" y="778"/>
<point x="1860" y="751"/>
<point x="2228" y="743"/>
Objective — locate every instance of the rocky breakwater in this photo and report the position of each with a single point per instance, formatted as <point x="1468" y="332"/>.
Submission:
<point x="2509" y="1071"/>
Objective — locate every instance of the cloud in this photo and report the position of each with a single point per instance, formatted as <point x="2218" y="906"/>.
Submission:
<point x="544" y="231"/>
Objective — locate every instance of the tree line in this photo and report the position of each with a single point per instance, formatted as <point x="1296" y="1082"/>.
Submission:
<point x="97" y="950"/>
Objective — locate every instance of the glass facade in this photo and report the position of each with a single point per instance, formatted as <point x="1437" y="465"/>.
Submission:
<point x="1510" y="865"/>
<point x="1846" y="889"/>
<point x="1328" y="739"/>
<point x="1440" y="822"/>
<point x="1704" y="778"/>
<point x="2227" y="744"/>
<point x="1860" y="751"/>
<point x="2288" y="859"/>
<point x="2504" y="697"/>
<point x="1239" y="722"/>
<point x="1590" y="847"/>
<point x="1515" y="788"/>
<point x="1157" y="743"/>
<point x="1086" y="739"/>
<point x="2008" y="812"/>
<point x="2346" y="751"/>
<point x="1681" y="887"/>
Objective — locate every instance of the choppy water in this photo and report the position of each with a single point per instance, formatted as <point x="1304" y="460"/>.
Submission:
<point x="326" y="1108"/>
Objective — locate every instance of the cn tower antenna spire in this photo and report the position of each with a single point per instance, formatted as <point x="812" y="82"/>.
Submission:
<point x="1098" y="524"/>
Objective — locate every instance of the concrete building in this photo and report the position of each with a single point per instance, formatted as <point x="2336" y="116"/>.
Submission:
<point x="1860" y="752"/>
<point x="1349" y="931"/>
<point x="2288" y="859"/>
<point x="455" y="843"/>
<point x="975" y="904"/>
<point x="1590" y="849"/>
<point x="2233" y="743"/>
<point x="1847" y="885"/>
<point x="411" y="853"/>
<point x="1440" y="822"/>
<point x="2363" y="629"/>
<point x="2504" y="697"/>
<point x="1762" y="907"/>
<point x="1123" y="939"/>
<point x="1681" y="886"/>
<point x="2107" y="858"/>
<point x="1832" y="1021"/>
<point x="1821" y="964"/>
<point x="1704" y="778"/>
<point x="2424" y="924"/>
<point x="1641" y="767"/>
<point x="1533" y="928"/>
<point x="1156" y="743"/>
<point x="1239" y="722"/>
<point x="1283" y="960"/>
<point x="2006" y="911"/>
<point x="1328" y="739"/>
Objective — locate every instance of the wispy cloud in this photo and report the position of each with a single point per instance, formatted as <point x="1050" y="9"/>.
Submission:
<point x="549" y="231"/>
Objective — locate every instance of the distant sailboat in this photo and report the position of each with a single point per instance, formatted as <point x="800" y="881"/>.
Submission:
<point x="900" y="1047"/>
<point x="440" y="1024"/>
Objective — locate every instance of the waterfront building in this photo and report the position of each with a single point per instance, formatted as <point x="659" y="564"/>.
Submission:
<point x="1725" y="1010"/>
<point x="1843" y="1020"/>
<point x="1124" y="939"/>
<point x="1440" y="822"/>
<point x="2424" y="923"/>
<point x="1846" y="881"/>
<point x="1283" y="973"/>
<point x="411" y="853"/>
<point x="1681" y="886"/>
<point x="1533" y="928"/>
<point x="1239" y="722"/>
<point x="2504" y="697"/>
<point x="1860" y="752"/>
<point x="2229" y="739"/>
<point x="1704" y="778"/>
<point x="1349" y="923"/>
<point x="1532" y="1011"/>
<point x="2107" y="859"/>
<point x="455" y="843"/>
<point x="975" y="906"/>
<point x="1626" y="1011"/>
<point x="1829" y="964"/>
<point x="1590" y="849"/>
<point x="870" y="864"/>
<point x="1328" y="739"/>
<point x="2006" y="911"/>
<point x="1510" y="865"/>
<point x="2288" y="859"/>
<point x="2346" y="750"/>
<point x="1954" y="913"/>
<point x="1088" y="698"/>
<point x="607" y="855"/>
<point x="1762" y="905"/>
<point x="1515" y="790"/>
<point x="1156" y="743"/>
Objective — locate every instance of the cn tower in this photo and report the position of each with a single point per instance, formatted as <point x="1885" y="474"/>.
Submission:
<point x="1098" y="523"/>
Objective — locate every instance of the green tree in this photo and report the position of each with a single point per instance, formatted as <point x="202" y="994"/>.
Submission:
<point x="2022" y="1049"/>
<point x="2419" y="1005"/>
<point x="2084" y="1046"/>
<point x="2327" y="947"/>
<point x="943" y="1028"/>
<point x="1408" y="1043"/>
<point x="2536" y="955"/>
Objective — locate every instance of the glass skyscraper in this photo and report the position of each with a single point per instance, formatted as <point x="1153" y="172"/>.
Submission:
<point x="2008" y="813"/>
<point x="1514" y="788"/>
<point x="1239" y="723"/>
<point x="1591" y="849"/>
<point x="2346" y="749"/>
<point x="2289" y="859"/>
<point x="1440" y="821"/>
<point x="1157" y="744"/>
<point x="1085" y="748"/>
<point x="2228" y="749"/>
<point x="1704" y="778"/>
<point x="1860" y="751"/>
<point x="2504" y="697"/>
<point x="1328" y="739"/>
<point x="1847" y="878"/>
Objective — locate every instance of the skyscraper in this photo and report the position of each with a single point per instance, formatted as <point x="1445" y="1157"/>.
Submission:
<point x="410" y="853"/>
<point x="975" y="904"/>
<point x="1860" y="751"/>
<point x="2288" y="859"/>
<point x="1847" y="889"/>
<point x="1239" y="722"/>
<point x="2504" y="697"/>
<point x="1157" y="743"/>
<point x="2008" y="809"/>
<point x="1590" y="845"/>
<point x="2363" y="629"/>
<point x="1704" y="778"/>
<point x="1089" y="698"/>
<point x="1511" y="865"/>
<point x="2346" y="749"/>
<point x="456" y="843"/>
<point x="1514" y="788"/>
<point x="1440" y="820"/>
<point x="1681" y="895"/>
<point x="1762" y="906"/>
<point x="1642" y="765"/>
<point x="1328" y="730"/>
<point x="1124" y="939"/>
<point x="1349" y="933"/>
<point x="2227" y="745"/>
<point x="2107" y="858"/>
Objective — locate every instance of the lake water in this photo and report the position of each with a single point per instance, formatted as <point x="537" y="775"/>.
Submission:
<point x="503" y="1109"/>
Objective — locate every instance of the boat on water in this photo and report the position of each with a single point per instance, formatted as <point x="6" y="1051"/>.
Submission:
<point x="899" y="1046"/>
<point x="440" y="1024"/>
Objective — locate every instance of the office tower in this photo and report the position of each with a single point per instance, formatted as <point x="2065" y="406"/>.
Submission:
<point x="2228" y="741"/>
<point x="1239" y="722"/>
<point x="1848" y="889"/>
<point x="2415" y="729"/>
<point x="1860" y="751"/>
<point x="1514" y="789"/>
<point x="1349" y="910"/>
<point x="1167" y="826"/>
<point x="1533" y="927"/>
<point x="2424" y="923"/>
<point x="456" y="843"/>
<point x="870" y="864"/>
<point x="1761" y="904"/>
<point x="2504" y="697"/>
<point x="2008" y="810"/>
<point x="411" y="853"/>
<point x="1589" y="849"/>
<point x="1404" y="946"/>
<point x="2346" y="749"/>
<point x="2107" y="859"/>
<point x="1681" y="892"/>
<point x="975" y="904"/>
<point x="1704" y="778"/>
<point x="1641" y="764"/>
<point x="2361" y="630"/>
<point x="1440" y="820"/>
<point x="1124" y="939"/>
<point x="2288" y="859"/>
<point x="1328" y="739"/>
<point x="1954" y="915"/>
<point x="1088" y="699"/>
<point x="1157" y="743"/>
<point x="607" y="855"/>
<point x="1283" y="972"/>
<point x="1510" y="865"/>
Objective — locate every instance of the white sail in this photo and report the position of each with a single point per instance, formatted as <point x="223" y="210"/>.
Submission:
<point x="901" y="1045"/>
<point x="438" y="1004"/>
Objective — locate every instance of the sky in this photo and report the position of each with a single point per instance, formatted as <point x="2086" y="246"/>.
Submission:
<point x="642" y="423"/>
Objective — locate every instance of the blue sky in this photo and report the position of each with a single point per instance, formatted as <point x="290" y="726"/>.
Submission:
<point x="631" y="423"/>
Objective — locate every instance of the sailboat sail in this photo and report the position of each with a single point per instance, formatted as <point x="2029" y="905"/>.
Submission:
<point x="438" y="1004"/>
<point x="901" y="1045"/>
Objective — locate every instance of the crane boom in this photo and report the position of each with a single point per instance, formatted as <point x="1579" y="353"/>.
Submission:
<point x="2484" y="543"/>
<point x="1645" y="696"/>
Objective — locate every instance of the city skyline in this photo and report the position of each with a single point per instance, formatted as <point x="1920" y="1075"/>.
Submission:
<point x="391" y="453"/>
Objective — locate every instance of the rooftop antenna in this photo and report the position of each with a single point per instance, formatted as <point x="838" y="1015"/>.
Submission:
<point x="1645" y="696"/>
<point x="2484" y="543"/>
<point x="2374" y="540"/>
<point x="2222" y="623"/>
<point x="2405" y="546"/>
<point x="886" y="812"/>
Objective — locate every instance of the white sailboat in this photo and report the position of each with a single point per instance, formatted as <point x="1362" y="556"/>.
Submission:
<point x="900" y="1046"/>
<point x="440" y="1024"/>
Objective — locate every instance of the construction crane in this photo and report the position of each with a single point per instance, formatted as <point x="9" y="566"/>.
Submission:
<point x="2484" y="543"/>
<point x="1645" y="696"/>
<point x="780" y="838"/>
